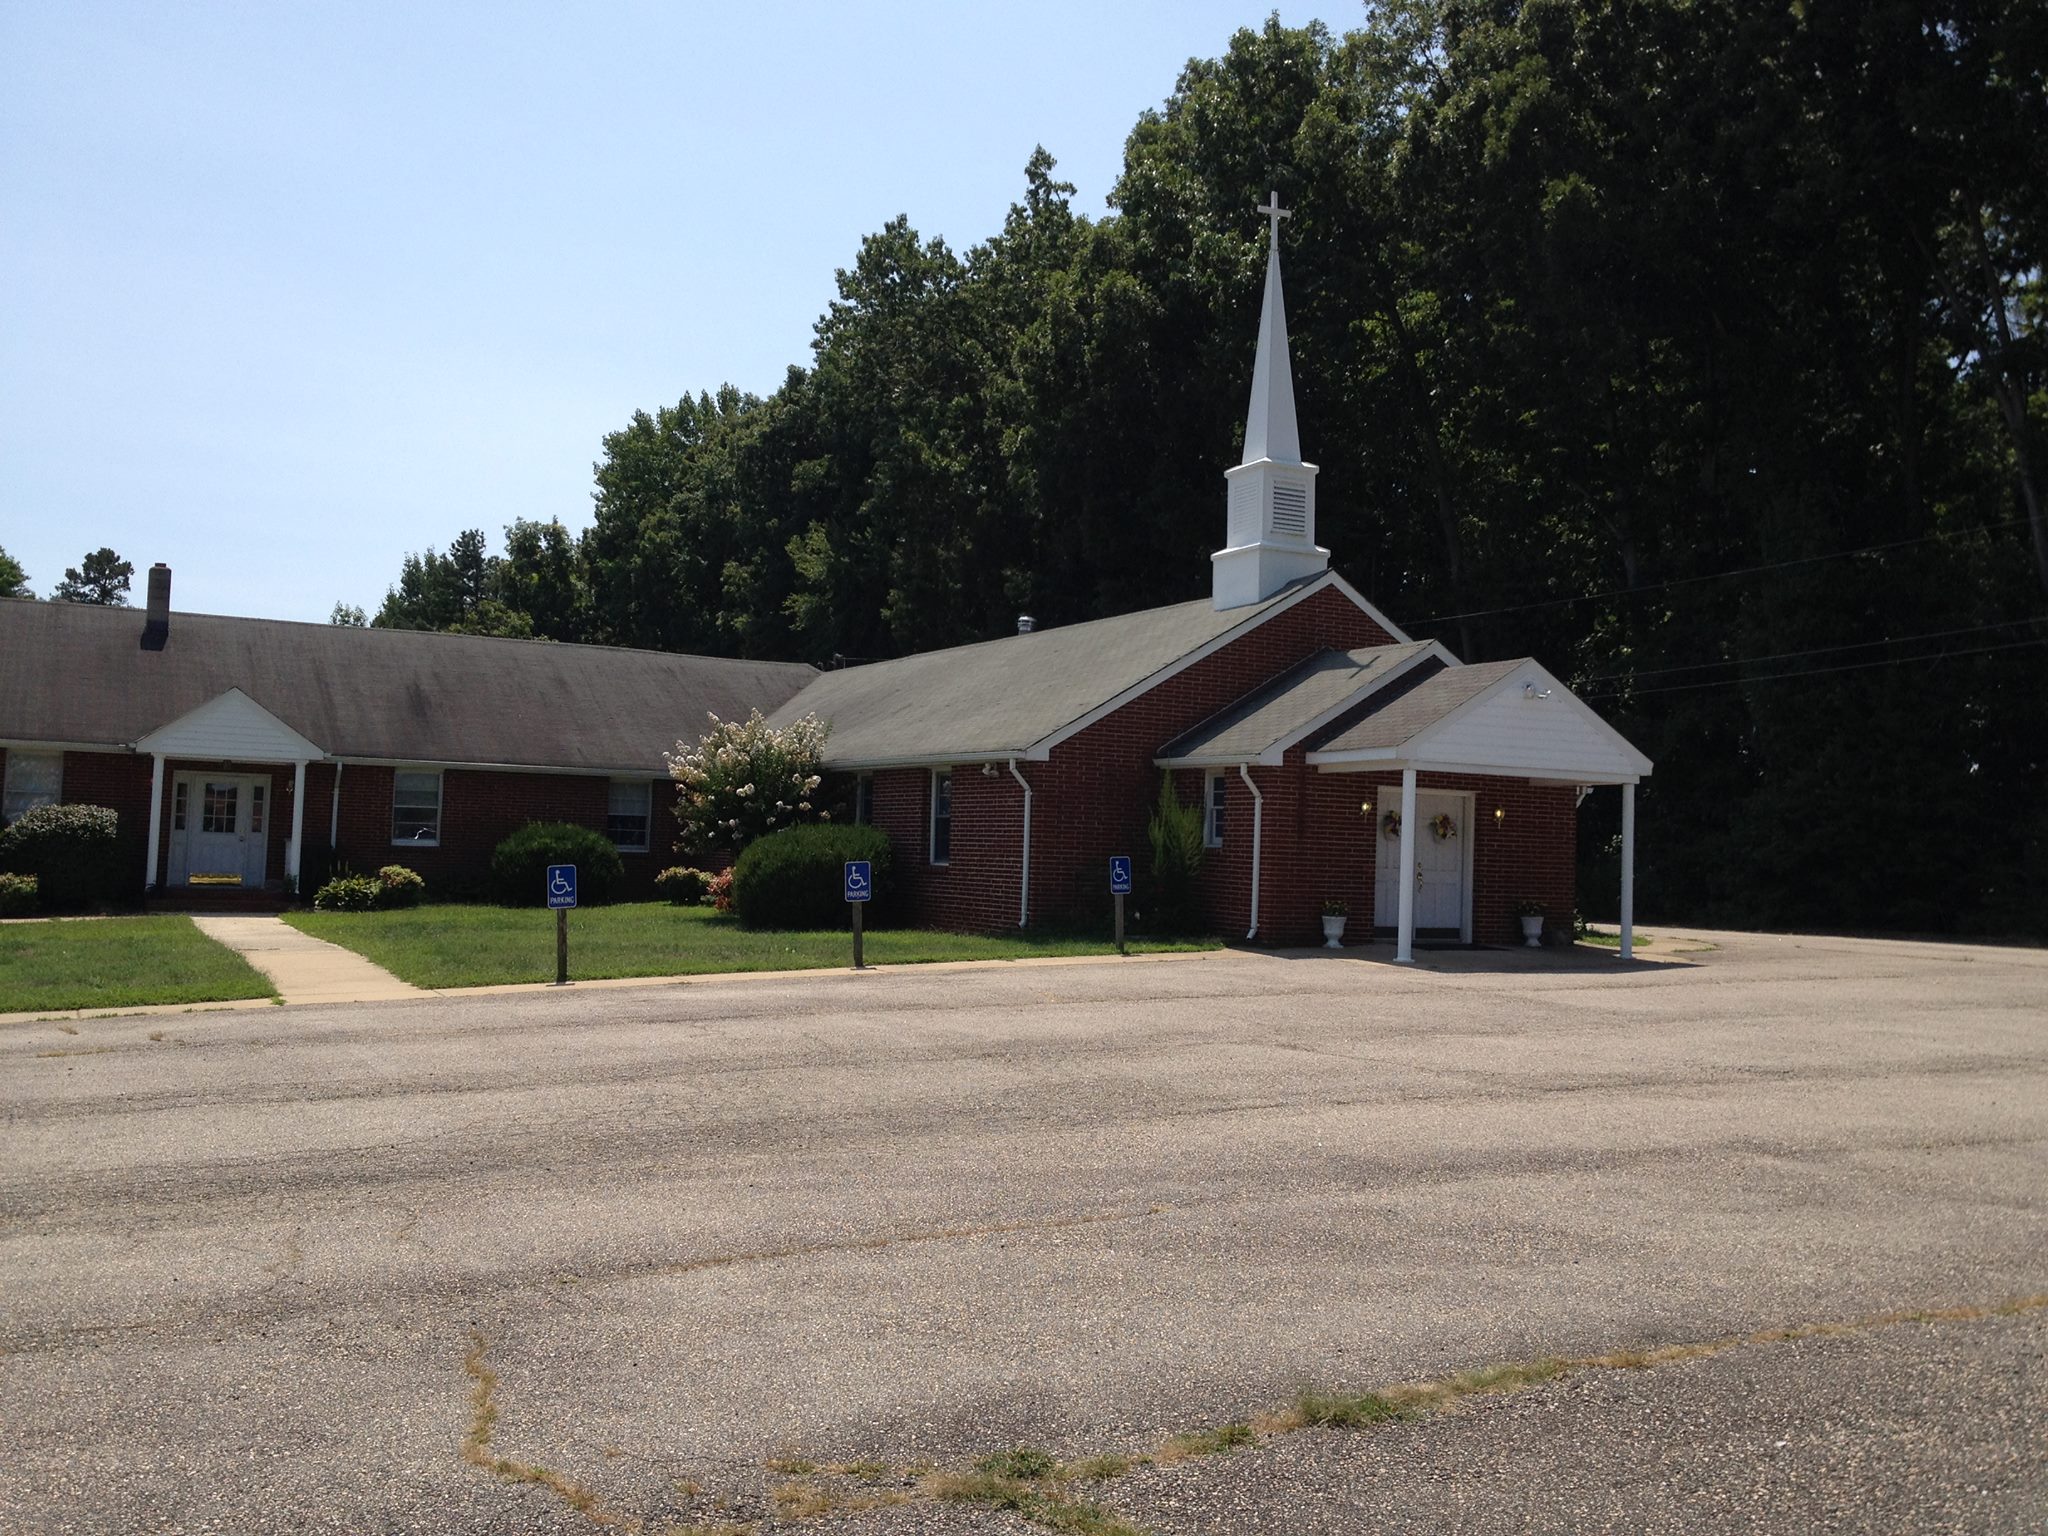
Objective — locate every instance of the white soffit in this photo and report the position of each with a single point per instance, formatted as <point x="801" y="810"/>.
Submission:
<point x="234" y="727"/>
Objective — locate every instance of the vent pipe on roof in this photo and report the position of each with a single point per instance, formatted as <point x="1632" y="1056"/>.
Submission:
<point x="1026" y="623"/>
<point x="156" y="625"/>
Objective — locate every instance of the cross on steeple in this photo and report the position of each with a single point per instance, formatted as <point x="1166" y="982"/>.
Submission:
<point x="1275" y="213"/>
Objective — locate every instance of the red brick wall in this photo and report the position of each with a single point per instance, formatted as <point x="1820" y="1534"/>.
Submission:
<point x="119" y="781"/>
<point x="1093" y="797"/>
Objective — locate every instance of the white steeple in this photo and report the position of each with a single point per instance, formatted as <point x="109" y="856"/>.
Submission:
<point x="1272" y="495"/>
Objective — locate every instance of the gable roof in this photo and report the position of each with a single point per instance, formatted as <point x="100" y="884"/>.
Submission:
<point x="1021" y="695"/>
<point x="1268" y="720"/>
<point x="75" y="673"/>
<point x="1508" y="717"/>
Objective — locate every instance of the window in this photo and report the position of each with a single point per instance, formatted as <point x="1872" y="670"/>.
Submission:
<point x="942" y="817"/>
<point x="33" y="779"/>
<point x="629" y="813"/>
<point x="416" y="808"/>
<point x="1215" y="800"/>
<point x="864" y="800"/>
<point x="256" y="806"/>
<point x="178" y="806"/>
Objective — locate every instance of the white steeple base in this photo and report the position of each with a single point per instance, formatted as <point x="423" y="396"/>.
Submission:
<point x="1251" y="573"/>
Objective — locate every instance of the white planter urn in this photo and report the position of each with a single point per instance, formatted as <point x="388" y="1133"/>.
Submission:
<point x="1333" y="933"/>
<point x="1532" y="931"/>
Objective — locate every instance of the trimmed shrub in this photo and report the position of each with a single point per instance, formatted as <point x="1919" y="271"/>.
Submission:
<point x="347" y="893"/>
<point x="68" y="848"/>
<point x="17" y="895"/>
<point x="1175" y="832"/>
<point x="792" y="878"/>
<point x="398" y="886"/>
<point x="719" y="891"/>
<point x="519" y="867"/>
<point x="683" y="887"/>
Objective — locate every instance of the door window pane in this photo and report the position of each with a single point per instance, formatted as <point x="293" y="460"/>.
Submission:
<point x="628" y="813"/>
<point x="1218" y="799"/>
<point x="256" y="807"/>
<point x="178" y="806"/>
<point x="416" y="808"/>
<point x="217" y="807"/>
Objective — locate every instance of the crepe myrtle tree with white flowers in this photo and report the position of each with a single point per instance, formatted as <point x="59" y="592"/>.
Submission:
<point x="746" y="778"/>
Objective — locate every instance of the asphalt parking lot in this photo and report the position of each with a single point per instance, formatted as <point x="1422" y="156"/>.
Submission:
<point x="642" y="1259"/>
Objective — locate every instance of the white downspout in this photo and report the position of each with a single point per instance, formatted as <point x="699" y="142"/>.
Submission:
<point x="1628" y="871"/>
<point x="156" y="818"/>
<point x="1258" y="820"/>
<point x="1024" y="881"/>
<point x="334" y="812"/>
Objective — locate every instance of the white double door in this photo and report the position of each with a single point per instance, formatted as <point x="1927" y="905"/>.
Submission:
<point x="1441" y="869"/>
<point x="220" y="827"/>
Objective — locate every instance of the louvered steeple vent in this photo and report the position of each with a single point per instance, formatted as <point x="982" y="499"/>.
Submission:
<point x="1272" y="494"/>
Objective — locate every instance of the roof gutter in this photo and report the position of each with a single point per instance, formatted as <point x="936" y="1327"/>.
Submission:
<point x="1024" y="879"/>
<point x="1258" y="818"/>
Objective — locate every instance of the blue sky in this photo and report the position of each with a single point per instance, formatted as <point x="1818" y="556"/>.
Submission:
<point x="289" y="290"/>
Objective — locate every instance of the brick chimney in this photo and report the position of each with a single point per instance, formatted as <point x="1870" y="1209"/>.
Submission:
<point x="156" y="624"/>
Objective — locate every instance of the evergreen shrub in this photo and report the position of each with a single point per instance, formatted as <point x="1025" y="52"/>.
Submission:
<point x="398" y="886"/>
<point x="794" y="878"/>
<point x="347" y="893"/>
<point x="683" y="887"/>
<point x="17" y="895"/>
<point x="519" y="867"/>
<point x="1175" y="832"/>
<point x="70" y="849"/>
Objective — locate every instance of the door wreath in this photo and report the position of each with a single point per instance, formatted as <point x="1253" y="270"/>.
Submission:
<point x="1444" y="828"/>
<point x="1391" y="824"/>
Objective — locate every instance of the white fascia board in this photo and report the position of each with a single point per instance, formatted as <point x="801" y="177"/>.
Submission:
<point x="1041" y="749"/>
<point x="1385" y="759"/>
<point x="636" y="772"/>
<point x="33" y="744"/>
<point x="943" y="760"/>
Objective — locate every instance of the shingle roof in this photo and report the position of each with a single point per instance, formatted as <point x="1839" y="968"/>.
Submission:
<point x="73" y="672"/>
<point x="1392" y="720"/>
<point x="1001" y="697"/>
<point x="1269" y="715"/>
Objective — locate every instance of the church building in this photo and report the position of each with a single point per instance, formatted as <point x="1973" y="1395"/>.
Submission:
<point x="1335" y="759"/>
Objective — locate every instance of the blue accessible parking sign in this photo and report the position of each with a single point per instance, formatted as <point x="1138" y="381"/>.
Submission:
<point x="1120" y="876"/>
<point x="860" y="880"/>
<point x="561" y="885"/>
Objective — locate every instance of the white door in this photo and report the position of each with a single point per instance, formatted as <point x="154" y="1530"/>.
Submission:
<point x="220" y="826"/>
<point x="1438" y="870"/>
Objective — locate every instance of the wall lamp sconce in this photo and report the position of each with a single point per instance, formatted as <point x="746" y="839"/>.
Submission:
<point x="1500" y="815"/>
<point x="1365" y="807"/>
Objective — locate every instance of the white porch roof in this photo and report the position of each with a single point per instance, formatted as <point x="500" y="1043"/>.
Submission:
<point x="232" y="727"/>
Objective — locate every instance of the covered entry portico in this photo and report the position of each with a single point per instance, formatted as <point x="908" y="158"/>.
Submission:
<point x="222" y="811"/>
<point x="1501" y="720"/>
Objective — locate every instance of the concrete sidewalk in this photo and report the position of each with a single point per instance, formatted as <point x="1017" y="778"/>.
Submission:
<point x="305" y="969"/>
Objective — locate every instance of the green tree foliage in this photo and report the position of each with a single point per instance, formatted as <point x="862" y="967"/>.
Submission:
<point x="1173" y="904"/>
<point x="102" y="578"/>
<point x="13" y="579"/>
<point x="1614" y="328"/>
<point x="348" y="616"/>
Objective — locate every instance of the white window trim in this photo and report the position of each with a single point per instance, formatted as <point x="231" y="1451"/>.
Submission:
<point x="440" y="808"/>
<point x="646" y="788"/>
<point x="931" y="846"/>
<point x="1211" y="836"/>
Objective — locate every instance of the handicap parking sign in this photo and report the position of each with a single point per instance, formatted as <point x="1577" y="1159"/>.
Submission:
<point x="1120" y="876"/>
<point x="860" y="880"/>
<point x="561" y="885"/>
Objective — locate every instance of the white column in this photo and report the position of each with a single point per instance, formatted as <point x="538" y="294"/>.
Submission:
<point x="156" y="818"/>
<point x="1628" y="871"/>
<point x="1258" y="826"/>
<point x="291" y="852"/>
<point x="1404" y="942"/>
<point x="334" y="811"/>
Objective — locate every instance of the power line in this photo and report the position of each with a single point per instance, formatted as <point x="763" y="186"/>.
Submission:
<point x="1686" y="581"/>
<point x="1852" y="666"/>
<point x="1819" y="650"/>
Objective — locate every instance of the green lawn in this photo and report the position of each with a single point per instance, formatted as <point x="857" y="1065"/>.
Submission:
<point x="480" y="946"/>
<point x="118" y="962"/>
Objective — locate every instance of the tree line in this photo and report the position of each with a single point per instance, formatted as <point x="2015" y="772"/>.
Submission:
<point x="1693" y="347"/>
